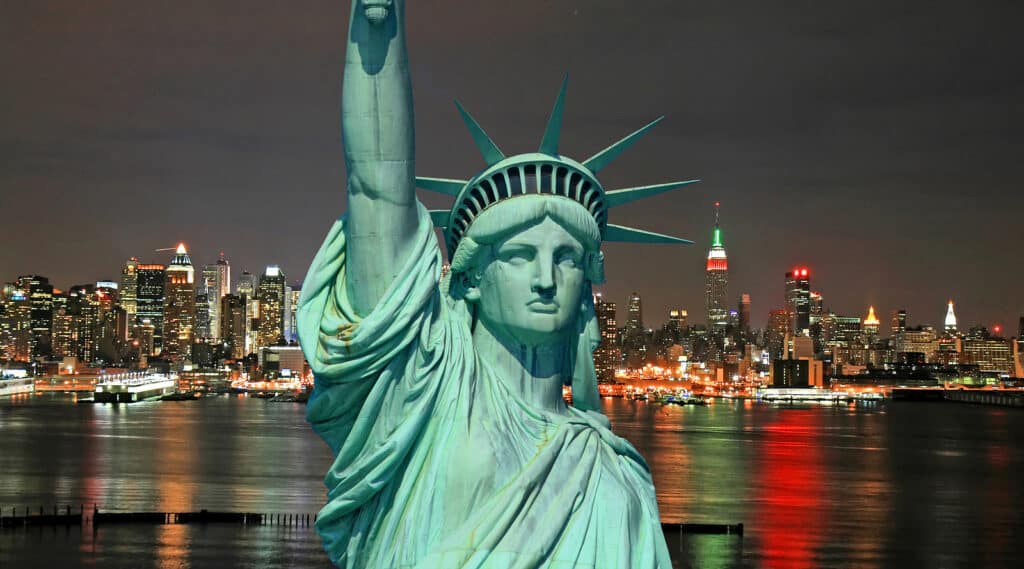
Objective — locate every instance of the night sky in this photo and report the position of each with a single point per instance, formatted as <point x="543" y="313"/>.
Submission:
<point x="878" y="143"/>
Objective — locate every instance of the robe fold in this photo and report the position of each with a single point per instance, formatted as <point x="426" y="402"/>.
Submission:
<point x="438" y="464"/>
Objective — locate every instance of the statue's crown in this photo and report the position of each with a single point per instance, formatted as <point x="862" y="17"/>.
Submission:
<point x="544" y="172"/>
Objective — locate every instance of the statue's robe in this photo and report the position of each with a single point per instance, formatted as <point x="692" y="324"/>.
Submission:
<point x="438" y="463"/>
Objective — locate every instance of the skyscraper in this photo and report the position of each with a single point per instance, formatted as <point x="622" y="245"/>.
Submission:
<point x="150" y="301"/>
<point x="40" y="294"/>
<point x="716" y="282"/>
<point x="950" y="323"/>
<point x="179" y="306"/>
<point x="775" y="333"/>
<point x="130" y="288"/>
<point x="744" y="312"/>
<point x="899" y="323"/>
<point x="232" y="324"/>
<point x="216" y="283"/>
<point x="798" y="301"/>
<point x="270" y="330"/>
<point x="871" y="325"/>
<point x="246" y="290"/>
<point x="291" y="306"/>
<point x="606" y="356"/>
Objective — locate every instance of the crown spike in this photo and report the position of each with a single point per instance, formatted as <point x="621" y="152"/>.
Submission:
<point x="441" y="185"/>
<point x="439" y="217"/>
<point x="623" y="234"/>
<point x="618" y="197"/>
<point x="598" y="161"/>
<point x="553" y="132"/>
<point x="490" y="151"/>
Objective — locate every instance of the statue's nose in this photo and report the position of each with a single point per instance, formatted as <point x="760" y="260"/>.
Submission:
<point x="544" y="279"/>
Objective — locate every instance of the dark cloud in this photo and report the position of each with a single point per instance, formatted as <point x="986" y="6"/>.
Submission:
<point x="877" y="142"/>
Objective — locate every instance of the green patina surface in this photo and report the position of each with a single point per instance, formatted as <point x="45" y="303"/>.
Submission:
<point x="441" y="398"/>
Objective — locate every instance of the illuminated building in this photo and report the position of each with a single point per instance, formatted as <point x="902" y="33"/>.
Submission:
<point x="130" y="288"/>
<point x="871" y="325"/>
<point x="246" y="289"/>
<point x="291" y="305"/>
<point x="17" y="324"/>
<point x="677" y="318"/>
<point x="63" y="330"/>
<point x="949" y="325"/>
<point x="744" y="314"/>
<point x="84" y="310"/>
<point x="40" y="296"/>
<point x="270" y="295"/>
<point x="216" y="283"/>
<point x="920" y="340"/>
<point x="607" y="356"/>
<point x="142" y="335"/>
<point x="110" y="325"/>
<point x="816" y="317"/>
<point x="150" y="301"/>
<point x="775" y="333"/>
<point x="899" y="323"/>
<point x="635" y="315"/>
<point x="281" y="362"/>
<point x="798" y="301"/>
<point x="716" y="283"/>
<point x="232" y="324"/>
<point x="179" y="306"/>
<point x="848" y="329"/>
<point x="993" y="355"/>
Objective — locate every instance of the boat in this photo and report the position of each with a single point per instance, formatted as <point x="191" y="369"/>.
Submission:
<point x="17" y="386"/>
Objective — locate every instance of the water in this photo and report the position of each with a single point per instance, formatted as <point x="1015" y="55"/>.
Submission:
<point x="897" y="485"/>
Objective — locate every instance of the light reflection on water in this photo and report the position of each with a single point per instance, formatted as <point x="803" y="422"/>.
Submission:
<point x="914" y="484"/>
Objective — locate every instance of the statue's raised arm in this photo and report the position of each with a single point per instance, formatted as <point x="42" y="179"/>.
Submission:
<point x="378" y="135"/>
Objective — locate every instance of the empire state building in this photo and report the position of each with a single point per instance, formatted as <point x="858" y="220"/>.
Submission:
<point x="716" y="281"/>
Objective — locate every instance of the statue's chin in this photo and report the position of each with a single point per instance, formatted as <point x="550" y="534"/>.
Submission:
<point x="376" y="14"/>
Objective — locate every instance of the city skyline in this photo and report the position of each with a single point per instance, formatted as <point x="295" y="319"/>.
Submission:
<point x="877" y="151"/>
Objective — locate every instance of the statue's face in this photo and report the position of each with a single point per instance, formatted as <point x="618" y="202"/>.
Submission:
<point x="530" y="290"/>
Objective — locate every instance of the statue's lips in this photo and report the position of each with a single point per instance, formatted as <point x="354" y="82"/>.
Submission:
<point x="543" y="306"/>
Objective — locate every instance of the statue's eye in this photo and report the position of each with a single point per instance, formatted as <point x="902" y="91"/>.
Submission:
<point x="516" y="255"/>
<point x="568" y="258"/>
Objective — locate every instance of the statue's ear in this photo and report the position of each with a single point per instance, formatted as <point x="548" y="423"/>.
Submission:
<point x="465" y="287"/>
<point x="471" y="292"/>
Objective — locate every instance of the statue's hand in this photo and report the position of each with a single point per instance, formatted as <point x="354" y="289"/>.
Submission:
<point x="376" y="11"/>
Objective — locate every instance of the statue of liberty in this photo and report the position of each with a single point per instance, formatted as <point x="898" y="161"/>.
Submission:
<point x="441" y="397"/>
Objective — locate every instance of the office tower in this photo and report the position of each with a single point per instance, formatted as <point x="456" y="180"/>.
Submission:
<point x="62" y="327"/>
<point x="677" y="318"/>
<point x="84" y="308"/>
<point x="201" y="329"/>
<point x="716" y="282"/>
<point x="899" y="323"/>
<point x="635" y="315"/>
<point x="232" y="325"/>
<point x="871" y="325"/>
<point x="110" y="327"/>
<point x="744" y="313"/>
<point x="246" y="289"/>
<point x="150" y="301"/>
<point x="216" y="283"/>
<point x="775" y="333"/>
<point x="291" y="306"/>
<point x="270" y="295"/>
<point x="607" y="356"/>
<point x="17" y="324"/>
<point x="798" y="300"/>
<point x="40" y="295"/>
<point x="179" y="306"/>
<point x="950" y="323"/>
<point x="994" y="355"/>
<point x="130" y="288"/>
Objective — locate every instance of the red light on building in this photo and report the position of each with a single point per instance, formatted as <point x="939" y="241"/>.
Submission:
<point x="803" y="272"/>
<point x="997" y="328"/>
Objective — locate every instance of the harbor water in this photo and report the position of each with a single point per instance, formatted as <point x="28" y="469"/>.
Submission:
<point x="881" y="485"/>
